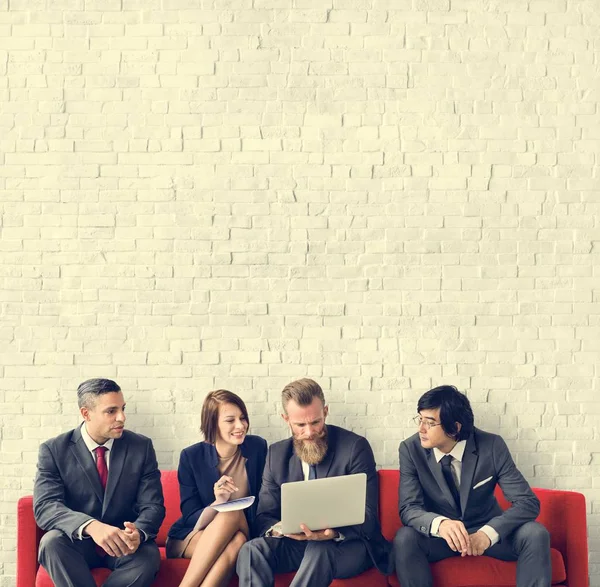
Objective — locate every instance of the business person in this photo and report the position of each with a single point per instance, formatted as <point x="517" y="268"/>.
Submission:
<point x="448" y="472"/>
<point x="315" y="450"/>
<point x="98" y="495"/>
<point x="227" y="465"/>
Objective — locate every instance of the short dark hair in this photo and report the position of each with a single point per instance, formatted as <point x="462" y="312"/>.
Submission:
<point x="89" y="390"/>
<point x="454" y="407"/>
<point x="302" y="391"/>
<point x="209" y="418"/>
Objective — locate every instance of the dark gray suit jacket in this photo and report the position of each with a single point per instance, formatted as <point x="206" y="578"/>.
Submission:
<point x="67" y="490"/>
<point x="424" y="494"/>
<point x="348" y="453"/>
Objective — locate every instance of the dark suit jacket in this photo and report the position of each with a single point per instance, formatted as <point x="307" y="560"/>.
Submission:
<point x="198" y="473"/>
<point x="67" y="490"/>
<point x="424" y="494"/>
<point x="348" y="453"/>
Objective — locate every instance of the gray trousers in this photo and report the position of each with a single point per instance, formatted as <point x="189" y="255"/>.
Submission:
<point x="316" y="564"/>
<point x="529" y="545"/>
<point x="68" y="562"/>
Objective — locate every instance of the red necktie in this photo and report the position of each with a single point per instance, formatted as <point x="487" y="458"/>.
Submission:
<point x="101" y="465"/>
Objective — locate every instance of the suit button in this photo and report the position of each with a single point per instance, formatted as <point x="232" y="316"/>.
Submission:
<point x="423" y="529"/>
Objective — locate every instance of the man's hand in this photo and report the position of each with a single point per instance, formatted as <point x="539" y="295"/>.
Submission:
<point x="316" y="535"/>
<point x="110" y="538"/>
<point x="132" y="536"/>
<point x="457" y="537"/>
<point x="480" y="542"/>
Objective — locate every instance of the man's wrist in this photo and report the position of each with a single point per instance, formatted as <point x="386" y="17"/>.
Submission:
<point x="435" y="525"/>
<point x="274" y="530"/>
<point x="491" y="534"/>
<point x="89" y="526"/>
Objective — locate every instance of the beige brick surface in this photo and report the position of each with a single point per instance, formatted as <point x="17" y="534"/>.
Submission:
<point x="384" y="195"/>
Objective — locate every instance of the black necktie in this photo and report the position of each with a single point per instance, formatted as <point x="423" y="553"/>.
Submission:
<point x="447" y="471"/>
<point x="312" y="472"/>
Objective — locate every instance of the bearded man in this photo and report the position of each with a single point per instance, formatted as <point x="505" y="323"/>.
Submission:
<point x="314" y="451"/>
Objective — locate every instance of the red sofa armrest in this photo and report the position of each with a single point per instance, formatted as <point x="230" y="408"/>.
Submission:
<point x="389" y="516"/>
<point x="563" y="514"/>
<point x="574" y="542"/>
<point x="28" y="540"/>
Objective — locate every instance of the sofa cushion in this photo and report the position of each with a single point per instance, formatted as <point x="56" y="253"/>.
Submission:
<point x="484" y="570"/>
<point x="172" y="571"/>
<point x="170" y="487"/>
<point x="370" y="578"/>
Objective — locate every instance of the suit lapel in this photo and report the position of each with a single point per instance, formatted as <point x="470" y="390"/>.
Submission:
<point x="324" y="466"/>
<point x="117" y="457"/>
<point x="86" y="462"/>
<point x="295" y="469"/>
<point x="436" y="471"/>
<point x="469" y="462"/>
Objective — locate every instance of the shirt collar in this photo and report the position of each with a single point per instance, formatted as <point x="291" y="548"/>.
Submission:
<point x="91" y="443"/>
<point x="457" y="452"/>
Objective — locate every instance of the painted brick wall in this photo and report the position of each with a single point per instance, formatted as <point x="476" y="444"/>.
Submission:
<point x="381" y="194"/>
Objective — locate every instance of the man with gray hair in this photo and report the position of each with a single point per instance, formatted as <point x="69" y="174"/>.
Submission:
<point x="314" y="451"/>
<point x="98" y="495"/>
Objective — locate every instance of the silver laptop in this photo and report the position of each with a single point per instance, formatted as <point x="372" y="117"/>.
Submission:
<point x="319" y="504"/>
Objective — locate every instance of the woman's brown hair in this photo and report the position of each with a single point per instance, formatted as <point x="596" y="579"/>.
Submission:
<point x="209" y="418"/>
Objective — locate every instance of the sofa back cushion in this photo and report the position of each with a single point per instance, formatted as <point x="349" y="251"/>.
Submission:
<point x="170" y="487"/>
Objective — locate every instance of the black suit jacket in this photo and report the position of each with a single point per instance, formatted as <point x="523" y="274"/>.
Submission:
<point x="348" y="453"/>
<point x="67" y="490"/>
<point x="424" y="494"/>
<point x="197" y="474"/>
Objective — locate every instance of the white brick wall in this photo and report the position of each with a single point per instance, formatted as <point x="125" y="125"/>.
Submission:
<point x="384" y="195"/>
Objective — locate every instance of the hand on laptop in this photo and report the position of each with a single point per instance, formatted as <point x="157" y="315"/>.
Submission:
<point x="316" y="535"/>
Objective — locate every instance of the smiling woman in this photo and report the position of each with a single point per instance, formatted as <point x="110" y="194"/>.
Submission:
<point x="227" y="465"/>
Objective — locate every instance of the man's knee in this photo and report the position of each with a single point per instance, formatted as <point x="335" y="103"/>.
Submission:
<point x="322" y="553"/>
<point x="51" y="544"/>
<point x="249" y="548"/>
<point x="249" y="552"/>
<point x="406" y="541"/>
<point x="533" y="535"/>
<point x="146" y="559"/>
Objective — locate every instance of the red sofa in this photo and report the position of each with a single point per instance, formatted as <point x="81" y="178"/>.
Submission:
<point x="562" y="512"/>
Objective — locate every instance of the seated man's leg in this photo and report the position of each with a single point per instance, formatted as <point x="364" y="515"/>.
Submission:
<point x="68" y="561"/>
<point x="413" y="552"/>
<point x="327" y="560"/>
<point x="134" y="570"/>
<point x="259" y="559"/>
<point x="529" y="545"/>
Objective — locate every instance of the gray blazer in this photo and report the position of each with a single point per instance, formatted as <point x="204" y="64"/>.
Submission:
<point x="67" y="490"/>
<point x="424" y="494"/>
<point x="347" y="453"/>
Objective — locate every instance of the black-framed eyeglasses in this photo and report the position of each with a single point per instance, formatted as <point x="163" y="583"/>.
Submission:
<point x="419" y="421"/>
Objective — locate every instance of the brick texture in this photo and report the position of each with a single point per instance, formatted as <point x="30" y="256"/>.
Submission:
<point x="384" y="195"/>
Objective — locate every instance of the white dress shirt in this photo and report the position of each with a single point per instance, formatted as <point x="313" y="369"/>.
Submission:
<point x="456" y="465"/>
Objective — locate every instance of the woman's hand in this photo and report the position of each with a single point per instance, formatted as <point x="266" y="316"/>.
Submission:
<point x="223" y="489"/>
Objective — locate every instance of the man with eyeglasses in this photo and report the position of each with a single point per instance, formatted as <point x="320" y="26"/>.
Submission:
<point x="448" y="472"/>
